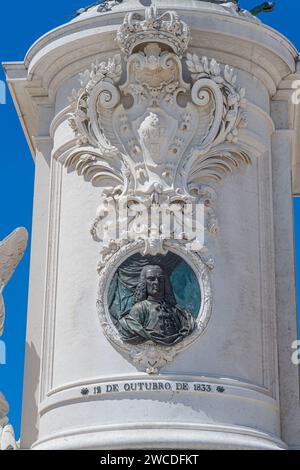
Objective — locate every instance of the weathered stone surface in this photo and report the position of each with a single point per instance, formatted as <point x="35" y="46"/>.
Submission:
<point x="83" y="387"/>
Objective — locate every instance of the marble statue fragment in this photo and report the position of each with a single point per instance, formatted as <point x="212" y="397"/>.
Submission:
<point x="12" y="249"/>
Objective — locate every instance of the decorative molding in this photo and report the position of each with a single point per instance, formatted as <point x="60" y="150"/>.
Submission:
<point x="267" y="276"/>
<point x="228" y="381"/>
<point x="232" y="388"/>
<point x="200" y="436"/>
<point x="49" y="317"/>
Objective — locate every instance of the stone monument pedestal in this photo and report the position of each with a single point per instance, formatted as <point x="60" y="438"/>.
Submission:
<point x="187" y="107"/>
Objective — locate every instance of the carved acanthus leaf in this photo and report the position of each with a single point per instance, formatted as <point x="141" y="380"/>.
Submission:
<point x="229" y="115"/>
<point x="91" y="164"/>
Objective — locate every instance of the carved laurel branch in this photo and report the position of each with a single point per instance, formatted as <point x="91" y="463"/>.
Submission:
<point x="233" y="100"/>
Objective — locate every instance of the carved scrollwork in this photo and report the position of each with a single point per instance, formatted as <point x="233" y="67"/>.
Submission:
<point x="98" y="88"/>
<point x="156" y="134"/>
<point x="230" y="101"/>
<point x="156" y="140"/>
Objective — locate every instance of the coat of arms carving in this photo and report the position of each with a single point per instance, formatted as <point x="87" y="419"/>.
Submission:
<point x="155" y="125"/>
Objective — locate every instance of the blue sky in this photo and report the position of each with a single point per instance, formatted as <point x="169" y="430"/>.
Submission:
<point x="24" y="22"/>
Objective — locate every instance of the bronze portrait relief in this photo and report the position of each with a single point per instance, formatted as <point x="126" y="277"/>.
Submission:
<point x="154" y="299"/>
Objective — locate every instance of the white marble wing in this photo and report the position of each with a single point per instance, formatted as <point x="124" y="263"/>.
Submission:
<point x="4" y="409"/>
<point x="2" y="312"/>
<point x="8" y="440"/>
<point x="12" y="249"/>
<point x="7" y="434"/>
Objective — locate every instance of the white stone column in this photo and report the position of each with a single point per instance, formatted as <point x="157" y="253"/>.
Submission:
<point x="226" y="389"/>
<point x="37" y="291"/>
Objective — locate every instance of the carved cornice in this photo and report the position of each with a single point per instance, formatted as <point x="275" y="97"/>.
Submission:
<point x="65" y="51"/>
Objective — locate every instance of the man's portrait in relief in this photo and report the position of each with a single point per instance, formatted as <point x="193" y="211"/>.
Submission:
<point x="143" y="301"/>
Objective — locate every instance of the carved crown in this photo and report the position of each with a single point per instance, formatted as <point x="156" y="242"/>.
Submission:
<point x="166" y="28"/>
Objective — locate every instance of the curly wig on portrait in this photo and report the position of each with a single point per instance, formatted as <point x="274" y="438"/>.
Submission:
<point x="141" y="288"/>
